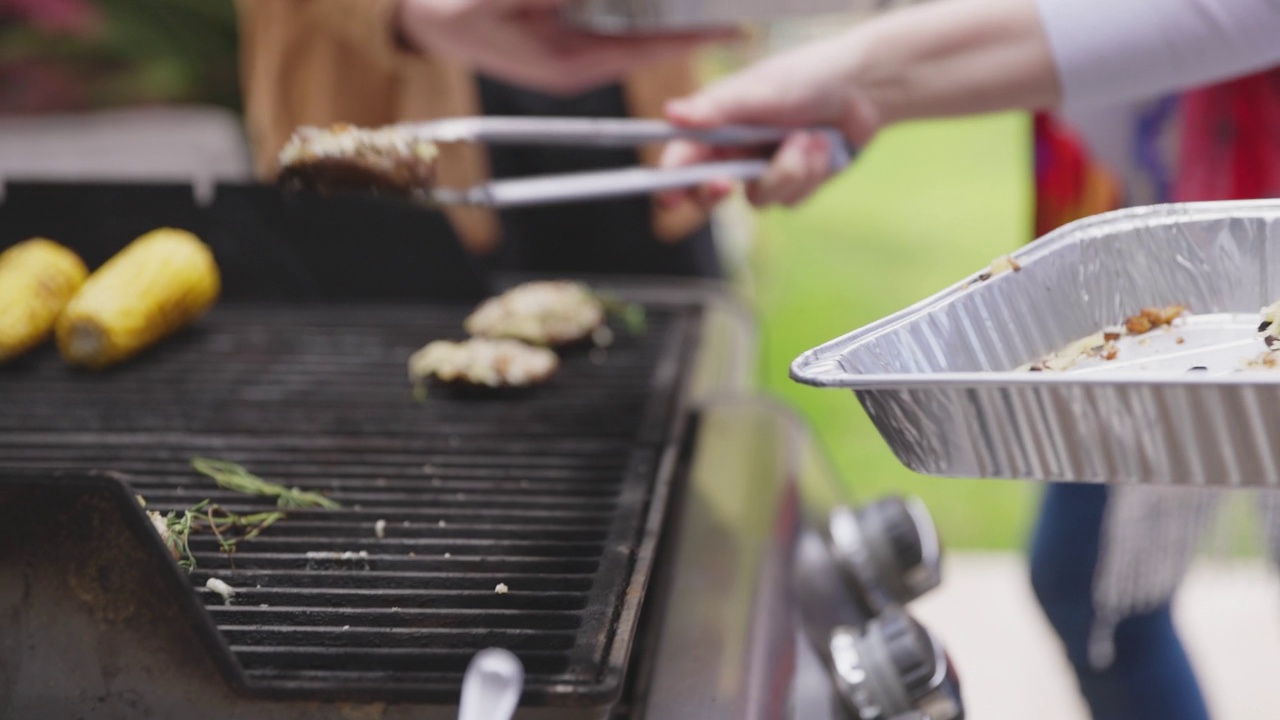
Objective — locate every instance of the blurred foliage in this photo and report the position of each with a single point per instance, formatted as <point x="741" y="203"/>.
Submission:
<point x="60" y="55"/>
<point x="925" y="205"/>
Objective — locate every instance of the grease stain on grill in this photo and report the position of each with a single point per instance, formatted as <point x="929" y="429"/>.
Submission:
<point x="547" y="492"/>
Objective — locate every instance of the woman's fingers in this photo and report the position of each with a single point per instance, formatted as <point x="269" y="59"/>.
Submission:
<point x="800" y="165"/>
<point x="680" y="153"/>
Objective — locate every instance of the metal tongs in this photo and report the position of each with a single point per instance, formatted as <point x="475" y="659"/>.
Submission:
<point x="581" y="132"/>
<point x="492" y="686"/>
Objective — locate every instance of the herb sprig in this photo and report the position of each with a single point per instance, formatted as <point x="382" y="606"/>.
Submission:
<point x="229" y="528"/>
<point x="231" y="476"/>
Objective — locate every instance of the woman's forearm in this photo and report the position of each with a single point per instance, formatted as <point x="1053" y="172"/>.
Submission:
<point x="1113" y="50"/>
<point x="954" y="57"/>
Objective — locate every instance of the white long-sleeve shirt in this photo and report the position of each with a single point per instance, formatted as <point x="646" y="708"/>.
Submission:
<point x="1109" y="51"/>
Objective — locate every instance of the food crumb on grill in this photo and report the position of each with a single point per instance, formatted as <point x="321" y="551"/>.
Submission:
<point x="483" y="362"/>
<point x="448" y="555"/>
<point x="359" y="559"/>
<point x="161" y="524"/>
<point x="221" y="588"/>
<point x="602" y="337"/>
<point x="380" y="529"/>
<point x="330" y="555"/>
<point x="502" y="589"/>
<point x="545" y="312"/>
<point x="346" y="627"/>
<point x="407" y="523"/>
<point x="442" y="523"/>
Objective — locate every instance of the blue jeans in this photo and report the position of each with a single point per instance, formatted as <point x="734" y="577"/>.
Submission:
<point x="1150" y="678"/>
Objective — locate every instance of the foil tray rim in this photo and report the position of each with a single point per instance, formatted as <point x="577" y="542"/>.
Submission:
<point x="818" y="367"/>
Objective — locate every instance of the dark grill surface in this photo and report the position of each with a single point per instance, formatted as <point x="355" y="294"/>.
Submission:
<point x="546" y="492"/>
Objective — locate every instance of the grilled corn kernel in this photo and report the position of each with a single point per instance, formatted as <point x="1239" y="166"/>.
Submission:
<point x="37" y="279"/>
<point x="159" y="283"/>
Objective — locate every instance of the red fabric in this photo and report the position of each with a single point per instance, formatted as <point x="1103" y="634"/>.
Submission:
<point x="1069" y="184"/>
<point x="1230" y="147"/>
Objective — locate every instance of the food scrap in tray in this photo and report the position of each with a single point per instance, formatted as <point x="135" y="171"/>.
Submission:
<point x="1269" y="329"/>
<point x="1211" y="344"/>
<point x="999" y="266"/>
<point x="1102" y="344"/>
<point x="1151" y="318"/>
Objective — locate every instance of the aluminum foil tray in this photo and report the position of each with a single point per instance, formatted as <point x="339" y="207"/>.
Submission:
<point x="940" y="379"/>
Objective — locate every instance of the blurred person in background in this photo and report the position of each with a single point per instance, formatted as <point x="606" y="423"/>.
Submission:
<point x="1105" y="561"/>
<point x="375" y="62"/>
<point x="120" y="90"/>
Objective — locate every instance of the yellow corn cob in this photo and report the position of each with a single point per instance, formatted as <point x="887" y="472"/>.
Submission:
<point x="37" y="278"/>
<point x="156" y="285"/>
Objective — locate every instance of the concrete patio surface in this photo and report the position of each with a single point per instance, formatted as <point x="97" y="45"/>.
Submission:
<point x="1012" y="668"/>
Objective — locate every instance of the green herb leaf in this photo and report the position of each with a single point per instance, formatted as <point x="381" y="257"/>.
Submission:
<point x="632" y="315"/>
<point x="230" y="476"/>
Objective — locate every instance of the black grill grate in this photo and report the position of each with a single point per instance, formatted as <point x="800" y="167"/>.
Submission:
<point x="546" y="492"/>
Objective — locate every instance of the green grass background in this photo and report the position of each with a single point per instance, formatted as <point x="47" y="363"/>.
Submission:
<point x="925" y="205"/>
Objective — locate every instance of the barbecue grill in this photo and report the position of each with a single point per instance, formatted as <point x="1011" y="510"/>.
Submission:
<point x="640" y="511"/>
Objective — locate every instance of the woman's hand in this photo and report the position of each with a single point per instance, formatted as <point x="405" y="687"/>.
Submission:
<point x="946" y="57"/>
<point x="525" y="43"/>
<point x="813" y="85"/>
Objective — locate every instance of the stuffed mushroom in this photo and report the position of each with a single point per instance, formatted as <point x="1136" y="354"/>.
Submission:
<point x="483" y="363"/>
<point x="342" y="158"/>
<point x="553" y="313"/>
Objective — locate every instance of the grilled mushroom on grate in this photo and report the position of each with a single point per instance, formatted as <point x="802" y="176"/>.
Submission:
<point x="483" y="362"/>
<point x="342" y="158"/>
<point x="550" y="312"/>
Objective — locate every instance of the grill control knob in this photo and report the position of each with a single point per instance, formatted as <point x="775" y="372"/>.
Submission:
<point x="888" y="551"/>
<point x="893" y="668"/>
<point x="910" y="650"/>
